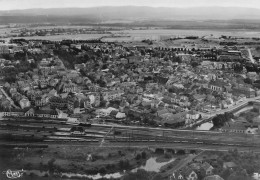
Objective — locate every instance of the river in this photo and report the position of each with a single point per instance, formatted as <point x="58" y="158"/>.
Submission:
<point x="205" y="126"/>
<point x="208" y="125"/>
<point x="150" y="165"/>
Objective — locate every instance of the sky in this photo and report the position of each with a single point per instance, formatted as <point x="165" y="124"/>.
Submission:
<point x="28" y="4"/>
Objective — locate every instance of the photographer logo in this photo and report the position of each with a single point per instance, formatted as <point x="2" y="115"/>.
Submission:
<point x="13" y="174"/>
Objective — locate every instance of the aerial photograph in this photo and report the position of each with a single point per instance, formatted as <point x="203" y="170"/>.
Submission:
<point x="130" y="89"/>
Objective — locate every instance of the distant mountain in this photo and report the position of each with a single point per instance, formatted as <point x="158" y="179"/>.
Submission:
<point x="129" y="13"/>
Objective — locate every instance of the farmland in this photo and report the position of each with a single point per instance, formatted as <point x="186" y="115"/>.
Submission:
<point x="139" y="34"/>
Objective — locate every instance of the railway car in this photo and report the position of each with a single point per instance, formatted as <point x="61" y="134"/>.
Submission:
<point x="77" y="130"/>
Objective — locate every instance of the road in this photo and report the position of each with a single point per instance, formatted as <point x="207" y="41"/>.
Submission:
<point x="8" y="98"/>
<point x="181" y="164"/>
<point x="250" y="56"/>
<point x="254" y="99"/>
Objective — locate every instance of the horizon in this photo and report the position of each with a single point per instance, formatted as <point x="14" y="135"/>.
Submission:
<point x="7" y="5"/>
<point x="133" y="6"/>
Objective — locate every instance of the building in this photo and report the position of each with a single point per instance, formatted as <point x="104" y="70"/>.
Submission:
<point x="218" y="85"/>
<point x="59" y="103"/>
<point x="229" y="165"/>
<point x="24" y="103"/>
<point x="193" y="115"/>
<point x="206" y="169"/>
<point x="105" y="112"/>
<point x="73" y="103"/>
<point x="185" y="173"/>
<point x="234" y="128"/>
<point x="112" y="95"/>
<point x="14" y="112"/>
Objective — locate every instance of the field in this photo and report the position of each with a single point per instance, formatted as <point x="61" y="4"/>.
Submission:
<point x="154" y="34"/>
<point x="184" y="32"/>
<point x="72" y="159"/>
<point x="61" y="37"/>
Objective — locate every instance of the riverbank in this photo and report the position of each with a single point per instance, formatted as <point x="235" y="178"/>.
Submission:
<point x="83" y="160"/>
<point x="59" y="161"/>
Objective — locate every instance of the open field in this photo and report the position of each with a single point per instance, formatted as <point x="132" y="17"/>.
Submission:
<point x="71" y="36"/>
<point x="137" y="35"/>
<point x="184" y="32"/>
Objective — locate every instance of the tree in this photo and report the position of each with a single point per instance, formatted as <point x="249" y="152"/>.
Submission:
<point x="248" y="81"/>
<point x="144" y="155"/>
<point x="138" y="157"/>
<point x="181" y="152"/>
<point x="157" y="177"/>
<point x="102" y="170"/>
<point x="51" y="164"/>
<point x="167" y="155"/>
<point x="124" y="164"/>
<point x="221" y="119"/>
<point x="194" y="64"/>
<point x="139" y="175"/>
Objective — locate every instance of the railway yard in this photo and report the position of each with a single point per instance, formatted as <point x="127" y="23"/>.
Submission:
<point x="51" y="132"/>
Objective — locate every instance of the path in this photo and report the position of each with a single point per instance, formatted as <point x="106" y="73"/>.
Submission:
<point x="8" y="98"/>
<point x="250" y="56"/>
<point x="181" y="164"/>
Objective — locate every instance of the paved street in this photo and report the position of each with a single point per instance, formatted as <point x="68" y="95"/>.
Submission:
<point x="254" y="99"/>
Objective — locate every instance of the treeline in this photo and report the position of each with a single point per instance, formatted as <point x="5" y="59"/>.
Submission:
<point x="221" y="119"/>
<point x="70" y="59"/>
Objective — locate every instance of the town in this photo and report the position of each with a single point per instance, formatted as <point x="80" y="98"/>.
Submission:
<point x="148" y="91"/>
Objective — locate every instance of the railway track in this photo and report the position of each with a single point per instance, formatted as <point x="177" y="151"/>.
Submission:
<point x="52" y="132"/>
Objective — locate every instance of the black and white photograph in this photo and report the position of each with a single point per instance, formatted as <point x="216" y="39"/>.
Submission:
<point x="130" y="89"/>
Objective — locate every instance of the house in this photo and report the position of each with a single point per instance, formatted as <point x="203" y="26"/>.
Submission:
<point x="235" y="127"/>
<point x="227" y="103"/>
<point x="46" y="113"/>
<point x="120" y="115"/>
<point x="218" y="85"/>
<point x="199" y="97"/>
<point x="175" y="120"/>
<point x="247" y="91"/>
<point x="5" y="103"/>
<point x="30" y="112"/>
<point x="185" y="173"/>
<point x="93" y="99"/>
<point x="57" y="102"/>
<point x="105" y="112"/>
<point x="39" y="101"/>
<point x="24" y="102"/>
<point x="43" y="83"/>
<point x="213" y="177"/>
<point x="73" y="103"/>
<point x="87" y="103"/>
<point x="71" y="87"/>
<point x="206" y="169"/>
<point x="53" y="82"/>
<point x="229" y="165"/>
<point x="113" y="113"/>
<point x="192" y="115"/>
<point x="52" y="92"/>
<point x="14" y="112"/>
<point x="112" y="95"/>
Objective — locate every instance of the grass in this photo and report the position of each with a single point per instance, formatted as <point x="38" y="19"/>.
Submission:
<point x="72" y="159"/>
